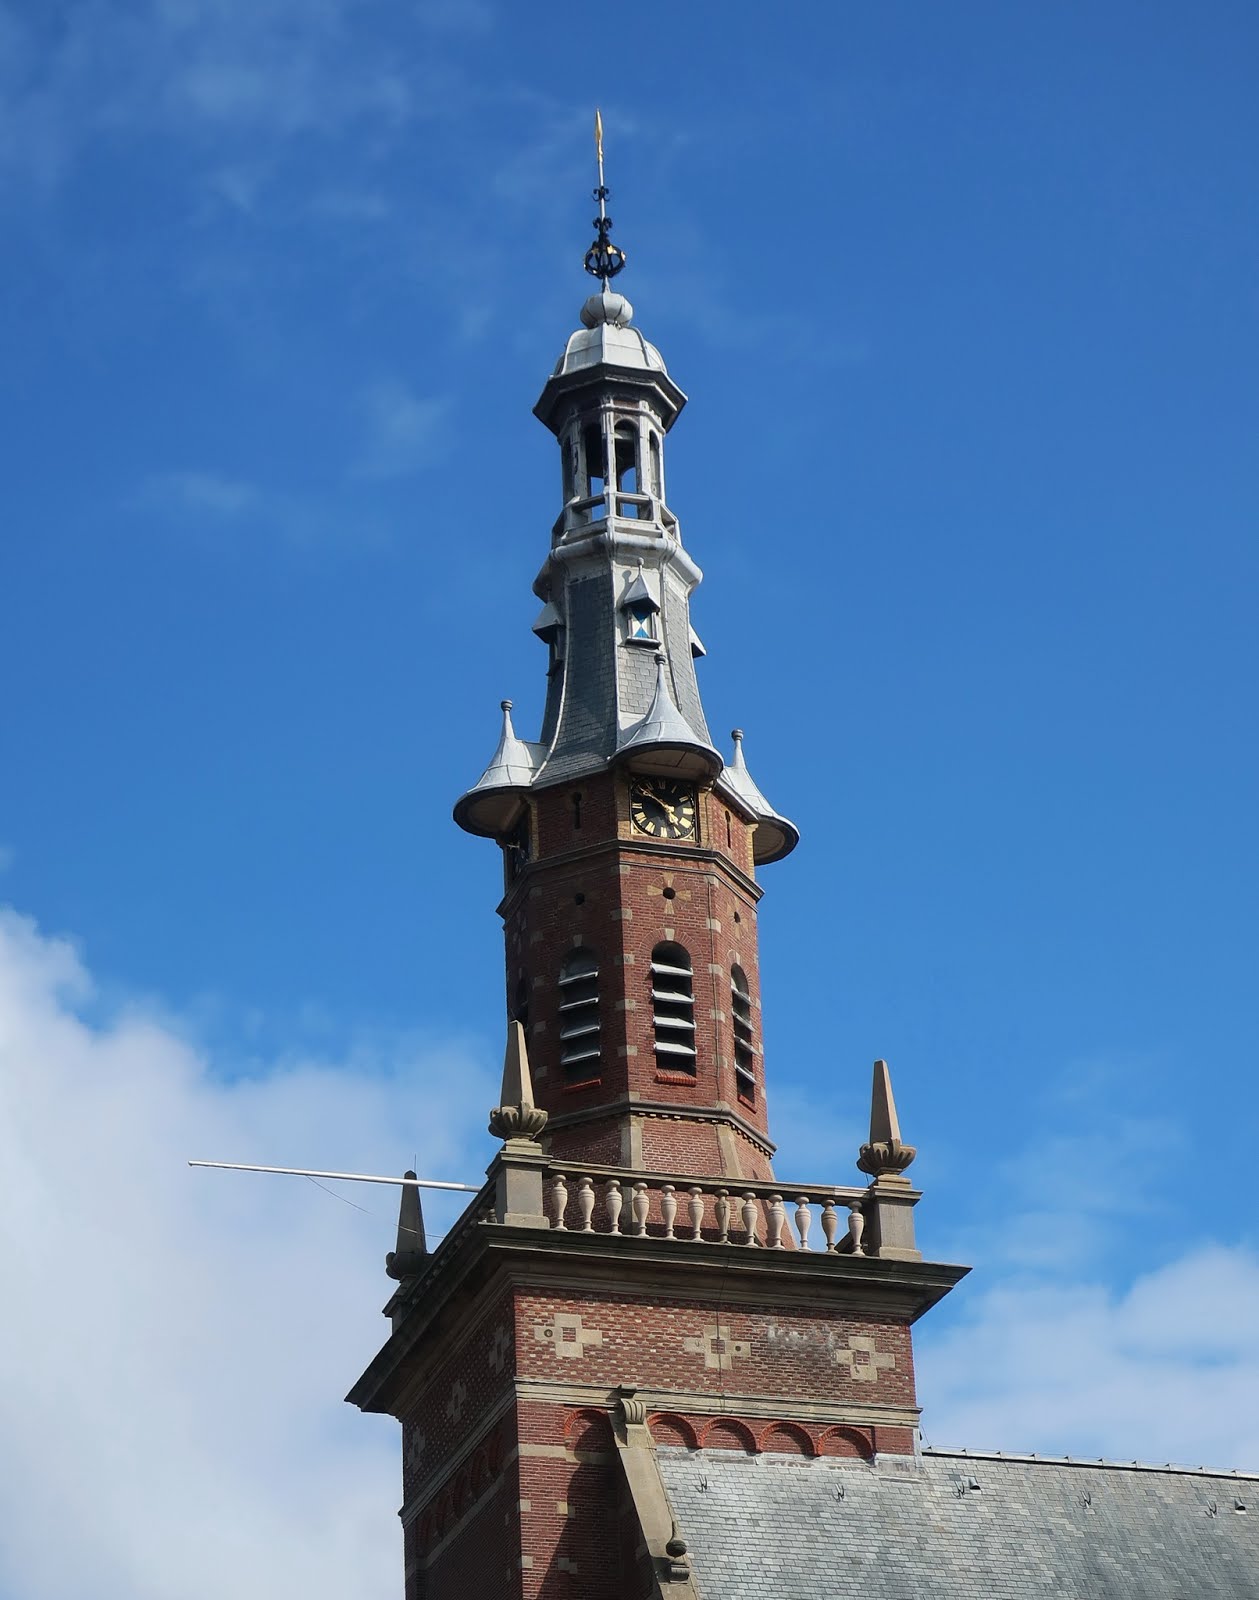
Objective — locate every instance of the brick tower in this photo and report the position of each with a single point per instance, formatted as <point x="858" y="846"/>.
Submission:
<point x="630" y="848"/>
<point x="632" y="1279"/>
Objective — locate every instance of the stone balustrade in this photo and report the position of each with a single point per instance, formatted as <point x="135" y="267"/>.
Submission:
<point x="776" y="1216"/>
<point x="525" y="1189"/>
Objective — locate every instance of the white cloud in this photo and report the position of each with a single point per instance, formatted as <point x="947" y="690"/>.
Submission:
<point x="176" y="1343"/>
<point x="203" y="504"/>
<point x="405" y="432"/>
<point x="201" y="493"/>
<point x="1167" y="1369"/>
<point x="270" y="69"/>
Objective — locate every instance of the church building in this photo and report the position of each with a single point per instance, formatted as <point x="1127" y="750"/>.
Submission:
<point x="642" y="1363"/>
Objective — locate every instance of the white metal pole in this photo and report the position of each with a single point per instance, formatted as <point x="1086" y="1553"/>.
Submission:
<point x="345" y="1177"/>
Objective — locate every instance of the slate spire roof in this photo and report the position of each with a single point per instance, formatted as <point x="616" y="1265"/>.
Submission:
<point x="615" y="590"/>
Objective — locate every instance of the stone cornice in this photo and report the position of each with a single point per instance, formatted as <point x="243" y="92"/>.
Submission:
<point x="699" y="1402"/>
<point x="679" y="858"/>
<point x="624" y="1267"/>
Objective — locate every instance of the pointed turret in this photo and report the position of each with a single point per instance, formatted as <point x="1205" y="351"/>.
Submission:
<point x="492" y="805"/>
<point x="775" y="836"/>
<point x="664" y="741"/>
<point x="411" y="1255"/>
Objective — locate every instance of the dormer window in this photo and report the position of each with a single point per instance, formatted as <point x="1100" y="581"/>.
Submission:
<point x="641" y="620"/>
<point x="641" y="612"/>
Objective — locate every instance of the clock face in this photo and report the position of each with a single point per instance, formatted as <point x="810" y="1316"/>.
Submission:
<point x="663" y="808"/>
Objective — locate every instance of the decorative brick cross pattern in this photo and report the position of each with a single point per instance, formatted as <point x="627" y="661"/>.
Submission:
<point x="566" y="1335"/>
<point x="717" y="1347"/>
<point x="862" y="1359"/>
<point x="458" y="1397"/>
<point x="499" y="1347"/>
<point x="415" y="1447"/>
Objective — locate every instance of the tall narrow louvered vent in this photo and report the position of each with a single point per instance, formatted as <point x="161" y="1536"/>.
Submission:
<point x="579" y="1015"/>
<point x="673" y="1006"/>
<point x="741" y="1018"/>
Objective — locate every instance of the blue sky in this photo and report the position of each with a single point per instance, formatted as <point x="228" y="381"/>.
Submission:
<point x="965" y="301"/>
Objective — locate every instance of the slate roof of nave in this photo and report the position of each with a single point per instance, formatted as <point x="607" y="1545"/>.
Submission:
<point x="783" y="1528"/>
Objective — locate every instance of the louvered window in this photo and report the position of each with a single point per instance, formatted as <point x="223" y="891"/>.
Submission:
<point x="741" y="1017"/>
<point x="673" y="1006"/>
<point x="579" y="1015"/>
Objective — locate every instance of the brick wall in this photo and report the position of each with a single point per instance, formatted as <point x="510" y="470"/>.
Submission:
<point x="601" y="887"/>
<point x="732" y="1350"/>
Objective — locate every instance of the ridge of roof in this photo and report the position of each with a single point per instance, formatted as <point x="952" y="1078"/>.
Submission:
<point x="960" y="1452"/>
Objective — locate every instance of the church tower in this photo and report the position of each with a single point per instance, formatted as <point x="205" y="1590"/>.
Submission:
<point x="633" y="1279"/>
<point x="630" y="847"/>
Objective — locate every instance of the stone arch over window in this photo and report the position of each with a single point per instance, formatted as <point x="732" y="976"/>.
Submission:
<point x="787" y="1438"/>
<point x="849" y="1442"/>
<point x="588" y="1428"/>
<point x="741" y="1022"/>
<point x="628" y="476"/>
<point x="728" y="1433"/>
<point x="579" y="1014"/>
<point x="673" y="1008"/>
<point x="667" y="1427"/>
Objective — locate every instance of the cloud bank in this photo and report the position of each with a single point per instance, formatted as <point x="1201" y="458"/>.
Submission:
<point x="176" y="1343"/>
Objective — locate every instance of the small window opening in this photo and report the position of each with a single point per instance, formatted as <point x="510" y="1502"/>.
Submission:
<point x="744" y="1056"/>
<point x="673" y="1007"/>
<point x="579" y="1015"/>
<point x="669" y="893"/>
<point x="520" y="1007"/>
<point x="627" y="457"/>
<point x="596" y="466"/>
<point x="576" y="803"/>
<point x="570" y="467"/>
<point x="516" y="848"/>
<point x="729" y="836"/>
<point x="641" y="620"/>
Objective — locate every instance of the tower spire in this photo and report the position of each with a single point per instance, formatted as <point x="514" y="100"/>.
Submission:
<point x="603" y="259"/>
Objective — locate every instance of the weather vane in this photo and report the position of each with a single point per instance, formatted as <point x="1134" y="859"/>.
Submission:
<point x="603" y="259"/>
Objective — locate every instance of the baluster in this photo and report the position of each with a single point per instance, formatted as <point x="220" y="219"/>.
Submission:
<point x="804" y="1220"/>
<point x="856" y="1227"/>
<point x="749" y="1216"/>
<point x="640" y="1205"/>
<point x="777" y="1221"/>
<point x="668" y="1208"/>
<point x="830" y="1224"/>
<point x="613" y="1200"/>
<point x="723" y="1216"/>
<point x="696" y="1209"/>
<point x="559" y="1201"/>
<point x="585" y="1204"/>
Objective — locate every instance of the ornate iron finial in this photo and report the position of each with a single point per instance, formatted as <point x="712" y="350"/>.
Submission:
<point x="603" y="259"/>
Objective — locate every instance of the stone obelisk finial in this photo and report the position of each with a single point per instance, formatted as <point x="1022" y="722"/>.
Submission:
<point x="884" y="1155"/>
<point x="409" y="1259"/>
<point x="516" y="1116"/>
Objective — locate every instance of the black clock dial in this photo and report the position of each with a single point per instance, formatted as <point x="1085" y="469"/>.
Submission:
<point x="662" y="808"/>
